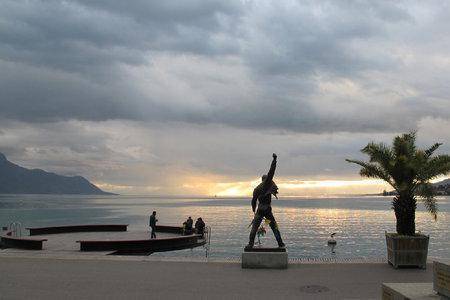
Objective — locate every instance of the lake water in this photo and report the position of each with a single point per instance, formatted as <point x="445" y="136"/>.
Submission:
<point x="305" y="223"/>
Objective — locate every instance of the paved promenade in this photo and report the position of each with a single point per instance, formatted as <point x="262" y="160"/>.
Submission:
<point x="50" y="278"/>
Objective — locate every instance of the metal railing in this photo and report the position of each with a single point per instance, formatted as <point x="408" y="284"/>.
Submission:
<point x="16" y="229"/>
<point x="207" y="237"/>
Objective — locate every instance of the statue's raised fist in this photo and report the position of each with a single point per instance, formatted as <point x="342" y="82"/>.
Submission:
<point x="274" y="156"/>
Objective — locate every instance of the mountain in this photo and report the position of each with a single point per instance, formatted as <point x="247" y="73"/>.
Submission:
<point x="441" y="188"/>
<point x="15" y="179"/>
<point x="444" y="182"/>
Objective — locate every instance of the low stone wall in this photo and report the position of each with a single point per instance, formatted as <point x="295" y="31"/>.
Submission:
<point x="408" y="291"/>
<point x="441" y="277"/>
<point x="148" y="245"/>
<point x="9" y="241"/>
<point x="77" y="228"/>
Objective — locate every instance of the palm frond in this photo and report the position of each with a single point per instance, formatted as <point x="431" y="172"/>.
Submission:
<point x="425" y="191"/>
<point x="431" y="150"/>
<point x="372" y="171"/>
<point x="436" y="166"/>
<point x="379" y="153"/>
<point x="405" y="145"/>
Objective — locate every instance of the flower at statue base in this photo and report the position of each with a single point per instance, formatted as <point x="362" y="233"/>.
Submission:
<point x="261" y="231"/>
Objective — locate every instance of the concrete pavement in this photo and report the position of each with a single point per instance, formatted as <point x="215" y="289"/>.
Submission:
<point x="50" y="278"/>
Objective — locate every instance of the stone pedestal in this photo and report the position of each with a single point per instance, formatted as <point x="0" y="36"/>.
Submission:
<point x="265" y="258"/>
<point x="408" y="291"/>
<point x="441" y="277"/>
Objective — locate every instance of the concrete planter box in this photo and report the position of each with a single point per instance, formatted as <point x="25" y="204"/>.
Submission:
<point x="407" y="250"/>
<point x="441" y="277"/>
<point x="408" y="291"/>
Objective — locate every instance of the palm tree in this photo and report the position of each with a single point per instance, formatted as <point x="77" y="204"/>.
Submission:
<point x="409" y="171"/>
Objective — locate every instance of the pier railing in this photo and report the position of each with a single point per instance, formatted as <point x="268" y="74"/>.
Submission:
<point x="207" y="237"/>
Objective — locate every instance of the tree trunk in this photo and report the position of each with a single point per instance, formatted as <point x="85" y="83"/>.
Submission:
<point x="405" y="213"/>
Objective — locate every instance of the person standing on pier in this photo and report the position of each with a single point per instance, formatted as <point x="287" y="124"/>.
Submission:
<point x="152" y="224"/>
<point x="263" y="194"/>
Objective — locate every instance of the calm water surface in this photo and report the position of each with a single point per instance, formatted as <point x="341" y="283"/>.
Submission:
<point x="305" y="223"/>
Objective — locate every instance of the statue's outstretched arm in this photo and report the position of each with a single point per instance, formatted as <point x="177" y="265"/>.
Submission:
<point x="271" y="173"/>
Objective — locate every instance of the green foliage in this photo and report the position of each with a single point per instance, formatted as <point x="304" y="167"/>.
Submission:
<point x="408" y="170"/>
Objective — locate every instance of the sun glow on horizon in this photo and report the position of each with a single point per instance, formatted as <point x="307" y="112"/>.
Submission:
<point x="303" y="187"/>
<point x="295" y="184"/>
<point x="215" y="186"/>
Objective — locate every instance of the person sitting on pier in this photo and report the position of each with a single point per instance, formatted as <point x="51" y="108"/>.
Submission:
<point x="200" y="226"/>
<point x="187" y="226"/>
<point x="152" y="224"/>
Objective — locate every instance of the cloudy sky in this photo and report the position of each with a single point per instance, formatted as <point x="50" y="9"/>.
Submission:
<point x="192" y="97"/>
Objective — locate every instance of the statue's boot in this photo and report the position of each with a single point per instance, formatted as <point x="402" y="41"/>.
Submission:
<point x="248" y="247"/>
<point x="277" y="234"/>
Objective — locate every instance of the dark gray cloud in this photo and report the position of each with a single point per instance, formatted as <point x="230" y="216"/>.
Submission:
<point x="72" y="60"/>
<point x="85" y="34"/>
<point x="307" y="37"/>
<point x="84" y="84"/>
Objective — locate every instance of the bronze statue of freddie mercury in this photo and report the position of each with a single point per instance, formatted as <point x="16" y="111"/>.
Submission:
<point x="263" y="194"/>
